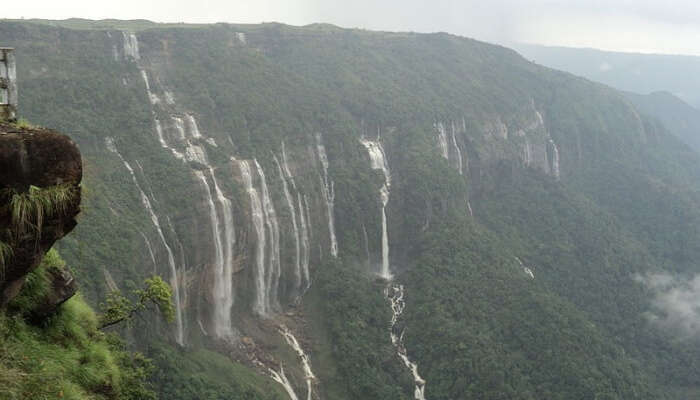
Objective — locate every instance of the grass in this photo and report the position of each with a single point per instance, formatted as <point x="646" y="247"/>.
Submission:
<point x="31" y="208"/>
<point x="5" y="256"/>
<point x="67" y="359"/>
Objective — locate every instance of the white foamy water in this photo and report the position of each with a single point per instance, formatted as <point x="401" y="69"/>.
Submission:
<point x="309" y="376"/>
<point x="328" y="189"/>
<point x="378" y="162"/>
<point x="295" y="228"/>
<point x="131" y="46"/>
<point x="261" y="304"/>
<point x="395" y="294"/>
<point x="305" y="244"/>
<point x="458" y="151"/>
<point x="442" y="139"/>
<point x="281" y="378"/>
<point x="555" y="159"/>
<point x="274" y="270"/>
<point x="222" y="236"/>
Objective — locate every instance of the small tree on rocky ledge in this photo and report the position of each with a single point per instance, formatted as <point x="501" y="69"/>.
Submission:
<point x="118" y="308"/>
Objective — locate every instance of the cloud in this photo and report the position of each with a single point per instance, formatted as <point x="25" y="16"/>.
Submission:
<point x="676" y="303"/>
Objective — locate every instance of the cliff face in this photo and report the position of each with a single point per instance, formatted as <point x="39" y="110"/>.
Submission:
<point x="33" y="162"/>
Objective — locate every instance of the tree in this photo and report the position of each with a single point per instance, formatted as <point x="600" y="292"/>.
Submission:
<point x="118" y="307"/>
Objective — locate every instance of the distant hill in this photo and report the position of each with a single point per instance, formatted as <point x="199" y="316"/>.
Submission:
<point x="680" y="118"/>
<point x="640" y="73"/>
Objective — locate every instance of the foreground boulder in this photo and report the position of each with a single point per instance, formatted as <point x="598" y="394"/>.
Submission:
<point x="40" y="175"/>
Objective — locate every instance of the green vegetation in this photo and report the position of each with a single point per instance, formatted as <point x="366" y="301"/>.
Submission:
<point x="29" y="209"/>
<point x="118" y="308"/>
<point x="206" y="375"/>
<point x="5" y="256"/>
<point x="356" y="316"/>
<point x="37" y="284"/>
<point x="67" y="356"/>
<point x="626" y="204"/>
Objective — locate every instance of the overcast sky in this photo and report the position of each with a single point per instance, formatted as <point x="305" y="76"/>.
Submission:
<point x="670" y="26"/>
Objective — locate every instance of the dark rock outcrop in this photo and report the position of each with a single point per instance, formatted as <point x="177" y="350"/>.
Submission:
<point x="40" y="158"/>
<point x="62" y="288"/>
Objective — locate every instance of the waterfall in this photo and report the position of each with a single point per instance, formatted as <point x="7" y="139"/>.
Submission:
<point x="192" y="125"/>
<point x="304" y="244"/>
<point x="264" y="217"/>
<point x="274" y="270"/>
<point x="285" y="165"/>
<point x="328" y="193"/>
<point x="225" y="286"/>
<point x="150" y="250"/>
<point x="309" y="376"/>
<point x="442" y="139"/>
<point x="187" y="135"/>
<point x="308" y="217"/>
<point x="109" y="280"/>
<point x="131" y="46"/>
<point x="223" y="258"/>
<point x="292" y="210"/>
<point x="457" y="150"/>
<point x="153" y="98"/>
<point x="261" y="304"/>
<point x="555" y="159"/>
<point x="445" y="146"/>
<point x="395" y="295"/>
<point x="281" y="378"/>
<point x="180" y="336"/>
<point x="378" y="162"/>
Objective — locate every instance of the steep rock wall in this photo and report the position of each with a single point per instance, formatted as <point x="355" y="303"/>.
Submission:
<point x="42" y="159"/>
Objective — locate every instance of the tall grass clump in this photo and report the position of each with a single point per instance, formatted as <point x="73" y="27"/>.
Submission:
<point x="5" y="256"/>
<point x="31" y="208"/>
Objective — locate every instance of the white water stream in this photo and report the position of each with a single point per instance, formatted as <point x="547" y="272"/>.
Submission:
<point x="281" y="378"/>
<point x="188" y="136"/>
<point x="457" y="150"/>
<point x="327" y="186"/>
<point x="309" y="376"/>
<point x="378" y="162"/>
<point x="295" y="228"/>
<point x="555" y="159"/>
<point x="395" y="294"/>
<point x="274" y="269"/>
<point x="174" y="280"/>
<point x="261" y="304"/>
<point x="445" y="145"/>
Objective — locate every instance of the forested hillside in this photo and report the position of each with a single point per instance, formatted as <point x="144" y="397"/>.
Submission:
<point x="346" y="214"/>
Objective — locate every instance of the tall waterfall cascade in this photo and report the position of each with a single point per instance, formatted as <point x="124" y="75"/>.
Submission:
<point x="327" y="186"/>
<point x="180" y="131"/>
<point x="267" y="267"/>
<point x="295" y="226"/>
<point x="395" y="294"/>
<point x="174" y="279"/>
<point x="223" y="240"/>
<point x="378" y="162"/>
<point x="274" y="268"/>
